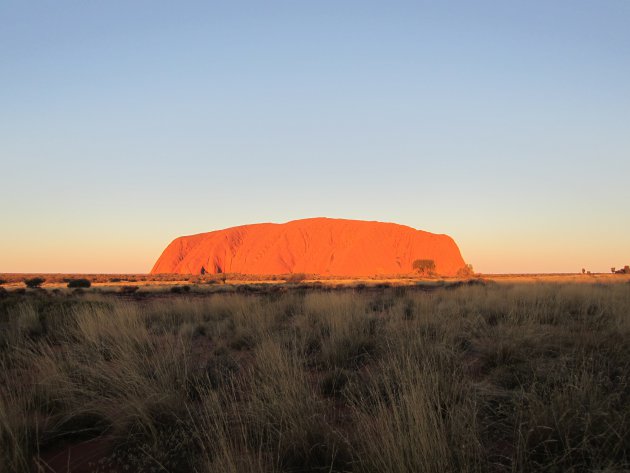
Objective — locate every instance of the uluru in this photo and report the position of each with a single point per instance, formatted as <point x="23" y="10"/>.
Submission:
<point x="322" y="246"/>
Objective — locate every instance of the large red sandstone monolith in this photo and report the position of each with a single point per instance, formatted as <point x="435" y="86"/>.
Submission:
<point x="334" y="247"/>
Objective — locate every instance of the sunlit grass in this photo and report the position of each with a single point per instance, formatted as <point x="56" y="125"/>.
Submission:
<point x="474" y="378"/>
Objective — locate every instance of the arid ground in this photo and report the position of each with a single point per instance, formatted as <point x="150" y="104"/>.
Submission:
<point x="233" y="374"/>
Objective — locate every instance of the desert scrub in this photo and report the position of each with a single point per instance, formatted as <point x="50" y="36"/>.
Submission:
<point x="412" y="411"/>
<point x="79" y="283"/>
<point x="34" y="282"/>
<point x="486" y="377"/>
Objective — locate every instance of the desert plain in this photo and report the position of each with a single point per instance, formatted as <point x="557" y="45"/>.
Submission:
<point x="299" y="373"/>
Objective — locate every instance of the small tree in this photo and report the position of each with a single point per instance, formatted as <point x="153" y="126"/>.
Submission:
<point x="612" y="270"/>
<point x="424" y="266"/>
<point x="34" y="282"/>
<point x="465" y="271"/>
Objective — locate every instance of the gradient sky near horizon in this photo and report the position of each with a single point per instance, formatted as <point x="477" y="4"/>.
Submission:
<point x="505" y="124"/>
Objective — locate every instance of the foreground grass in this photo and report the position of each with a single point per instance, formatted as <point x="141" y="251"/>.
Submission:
<point x="475" y="378"/>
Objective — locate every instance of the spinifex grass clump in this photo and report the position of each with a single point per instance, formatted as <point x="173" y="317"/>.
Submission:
<point x="472" y="378"/>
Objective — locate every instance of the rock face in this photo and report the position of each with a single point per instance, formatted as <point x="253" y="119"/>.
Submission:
<point x="325" y="246"/>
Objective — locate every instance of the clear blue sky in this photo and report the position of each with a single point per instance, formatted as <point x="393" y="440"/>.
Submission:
<point x="505" y="124"/>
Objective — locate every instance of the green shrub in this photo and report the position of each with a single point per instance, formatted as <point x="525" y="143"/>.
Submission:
<point x="34" y="282"/>
<point x="83" y="283"/>
<point x="424" y="267"/>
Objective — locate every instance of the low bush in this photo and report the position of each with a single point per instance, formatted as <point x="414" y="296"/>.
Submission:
<point x="34" y="282"/>
<point x="128" y="289"/>
<point x="82" y="283"/>
<point x="180" y="289"/>
<point x="295" y="278"/>
<point x="465" y="272"/>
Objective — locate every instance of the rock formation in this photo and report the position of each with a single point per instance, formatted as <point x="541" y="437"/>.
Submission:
<point x="325" y="246"/>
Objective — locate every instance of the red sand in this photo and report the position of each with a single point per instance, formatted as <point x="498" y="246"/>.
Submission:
<point x="323" y="246"/>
